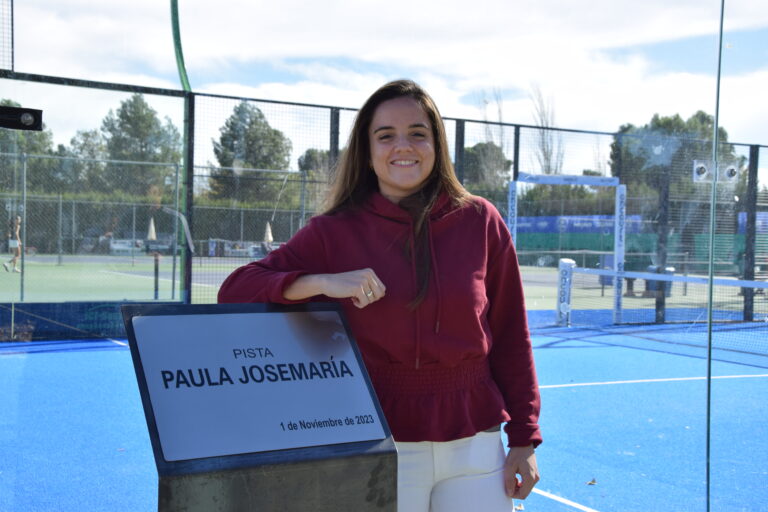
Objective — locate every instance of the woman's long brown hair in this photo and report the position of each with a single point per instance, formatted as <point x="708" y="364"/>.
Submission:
<point x="354" y="178"/>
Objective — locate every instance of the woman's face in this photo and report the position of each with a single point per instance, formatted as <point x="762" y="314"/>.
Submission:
<point x="402" y="147"/>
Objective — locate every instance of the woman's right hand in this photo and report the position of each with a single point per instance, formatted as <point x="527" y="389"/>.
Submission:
<point x="362" y="286"/>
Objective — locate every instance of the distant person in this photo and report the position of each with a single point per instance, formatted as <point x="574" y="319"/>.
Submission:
<point x="14" y="244"/>
<point x="104" y="245"/>
<point x="429" y="280"/>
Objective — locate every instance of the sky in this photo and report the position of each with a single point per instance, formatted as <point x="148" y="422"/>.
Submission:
<point x="598" y="64"/>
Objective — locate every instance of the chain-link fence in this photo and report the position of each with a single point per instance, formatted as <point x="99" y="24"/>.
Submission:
<point x="89" y="239"/>
<point x="265" y="208"/>
<point x="251" y="172"/>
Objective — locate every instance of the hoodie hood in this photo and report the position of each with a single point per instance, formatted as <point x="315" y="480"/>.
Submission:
<point x="380" y="206"/>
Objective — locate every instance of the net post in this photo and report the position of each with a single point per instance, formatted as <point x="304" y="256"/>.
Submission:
<point x="564" y="282"/>
<point x="512" y="210"/>
<point x="619" y="244"/>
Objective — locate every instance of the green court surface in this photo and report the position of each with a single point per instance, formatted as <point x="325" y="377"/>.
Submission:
<point x="115" y="278"/>
<point x="90" y="278"/>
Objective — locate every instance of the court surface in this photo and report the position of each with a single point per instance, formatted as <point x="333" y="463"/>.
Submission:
<point x="624" y="420"/>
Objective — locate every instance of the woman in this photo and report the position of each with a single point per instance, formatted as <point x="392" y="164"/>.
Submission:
<point x="14" y="244"/>
<point x="429" y="281"/>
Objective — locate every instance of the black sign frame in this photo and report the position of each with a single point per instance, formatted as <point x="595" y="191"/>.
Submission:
<point x="229" y="462"/>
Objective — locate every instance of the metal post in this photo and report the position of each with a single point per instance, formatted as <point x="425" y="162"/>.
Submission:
<point x="619" y="244"/>
<point x="661" y="247"/>
<point x="74" y="243"/>
<point x="333" y="152"/>
<point x="750" y="236"/>
<point x="23" y="248"/>
<point x="189" y="180"/>
<point x="133" y="241"/>
<point x="564" y="283"/>
<point x="512" y="210"/>
<point x="61" y="232"/>
<point x="516" y="155"/>
<point x="303" y="198"/>
<point x="174" y="242"/>
<point x="241" y="224"/>
<point x="157" y="275"/>
<point x="459" y="150"/>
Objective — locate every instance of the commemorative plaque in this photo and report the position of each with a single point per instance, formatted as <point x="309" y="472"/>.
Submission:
<point x="260" y="407"/>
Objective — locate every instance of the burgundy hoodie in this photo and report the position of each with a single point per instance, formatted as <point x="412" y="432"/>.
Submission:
<point x="461" y="362"/>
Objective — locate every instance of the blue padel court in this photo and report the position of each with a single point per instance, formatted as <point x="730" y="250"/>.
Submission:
<point x="624" y="418"/>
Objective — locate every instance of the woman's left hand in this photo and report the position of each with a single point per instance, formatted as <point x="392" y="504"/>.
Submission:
<point x="521" y="460"/>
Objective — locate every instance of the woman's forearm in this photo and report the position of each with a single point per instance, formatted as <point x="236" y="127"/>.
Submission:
<point x="362" y="286"/>
<point x="304" y="287"/>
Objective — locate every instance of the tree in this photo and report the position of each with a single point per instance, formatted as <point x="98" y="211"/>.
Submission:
<point x="486" y="165"/>
<point x="656" y="161"/>
<point x="89" y="168"/>
<point x="552" y="200"/>
<point x="316" y="166"/>
<point x="549" y="142"/>
<point x="666" y="145"/>
<point x="247" y="141"/>
<point x="135" y="134"/>
<point x="316" y="162"/>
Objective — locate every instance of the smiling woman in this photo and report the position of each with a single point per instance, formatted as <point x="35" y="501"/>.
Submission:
<point x="429" y="280"/>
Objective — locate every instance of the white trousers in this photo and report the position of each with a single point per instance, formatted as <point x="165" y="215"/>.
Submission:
<point x="454" y="476"/>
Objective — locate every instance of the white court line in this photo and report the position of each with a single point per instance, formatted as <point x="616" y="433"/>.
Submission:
<point x="132" y="275"/>
<point x="150" y="277"/>
<point x="564" y="501"/>
<point x="643" y="381"/>
<point x="678" y="379"/>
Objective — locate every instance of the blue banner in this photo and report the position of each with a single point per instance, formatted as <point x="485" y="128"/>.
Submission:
<point x="761" y="223"/>
<point x="577" y="224"/>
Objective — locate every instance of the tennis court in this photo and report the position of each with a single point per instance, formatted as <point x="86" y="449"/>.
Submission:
<point x="624" y="416"/>
<point x="48" y="278"/>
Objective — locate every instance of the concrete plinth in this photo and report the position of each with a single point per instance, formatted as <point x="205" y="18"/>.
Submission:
<point x="353" y="483"/>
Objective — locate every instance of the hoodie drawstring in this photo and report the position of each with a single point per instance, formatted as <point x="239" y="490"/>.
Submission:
<point x="412" y="241"/>
<point x="437" y="279"/>
<point x="438" y="291"/>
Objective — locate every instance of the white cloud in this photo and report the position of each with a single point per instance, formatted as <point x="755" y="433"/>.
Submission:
<point x="456" y="50"/>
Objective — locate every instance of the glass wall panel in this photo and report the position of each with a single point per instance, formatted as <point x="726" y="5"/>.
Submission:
<point x="739" y="355"/>
<point x="624" y="377"/>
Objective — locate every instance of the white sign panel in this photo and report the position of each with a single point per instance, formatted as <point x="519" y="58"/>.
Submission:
<point x="227" y="384"/>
